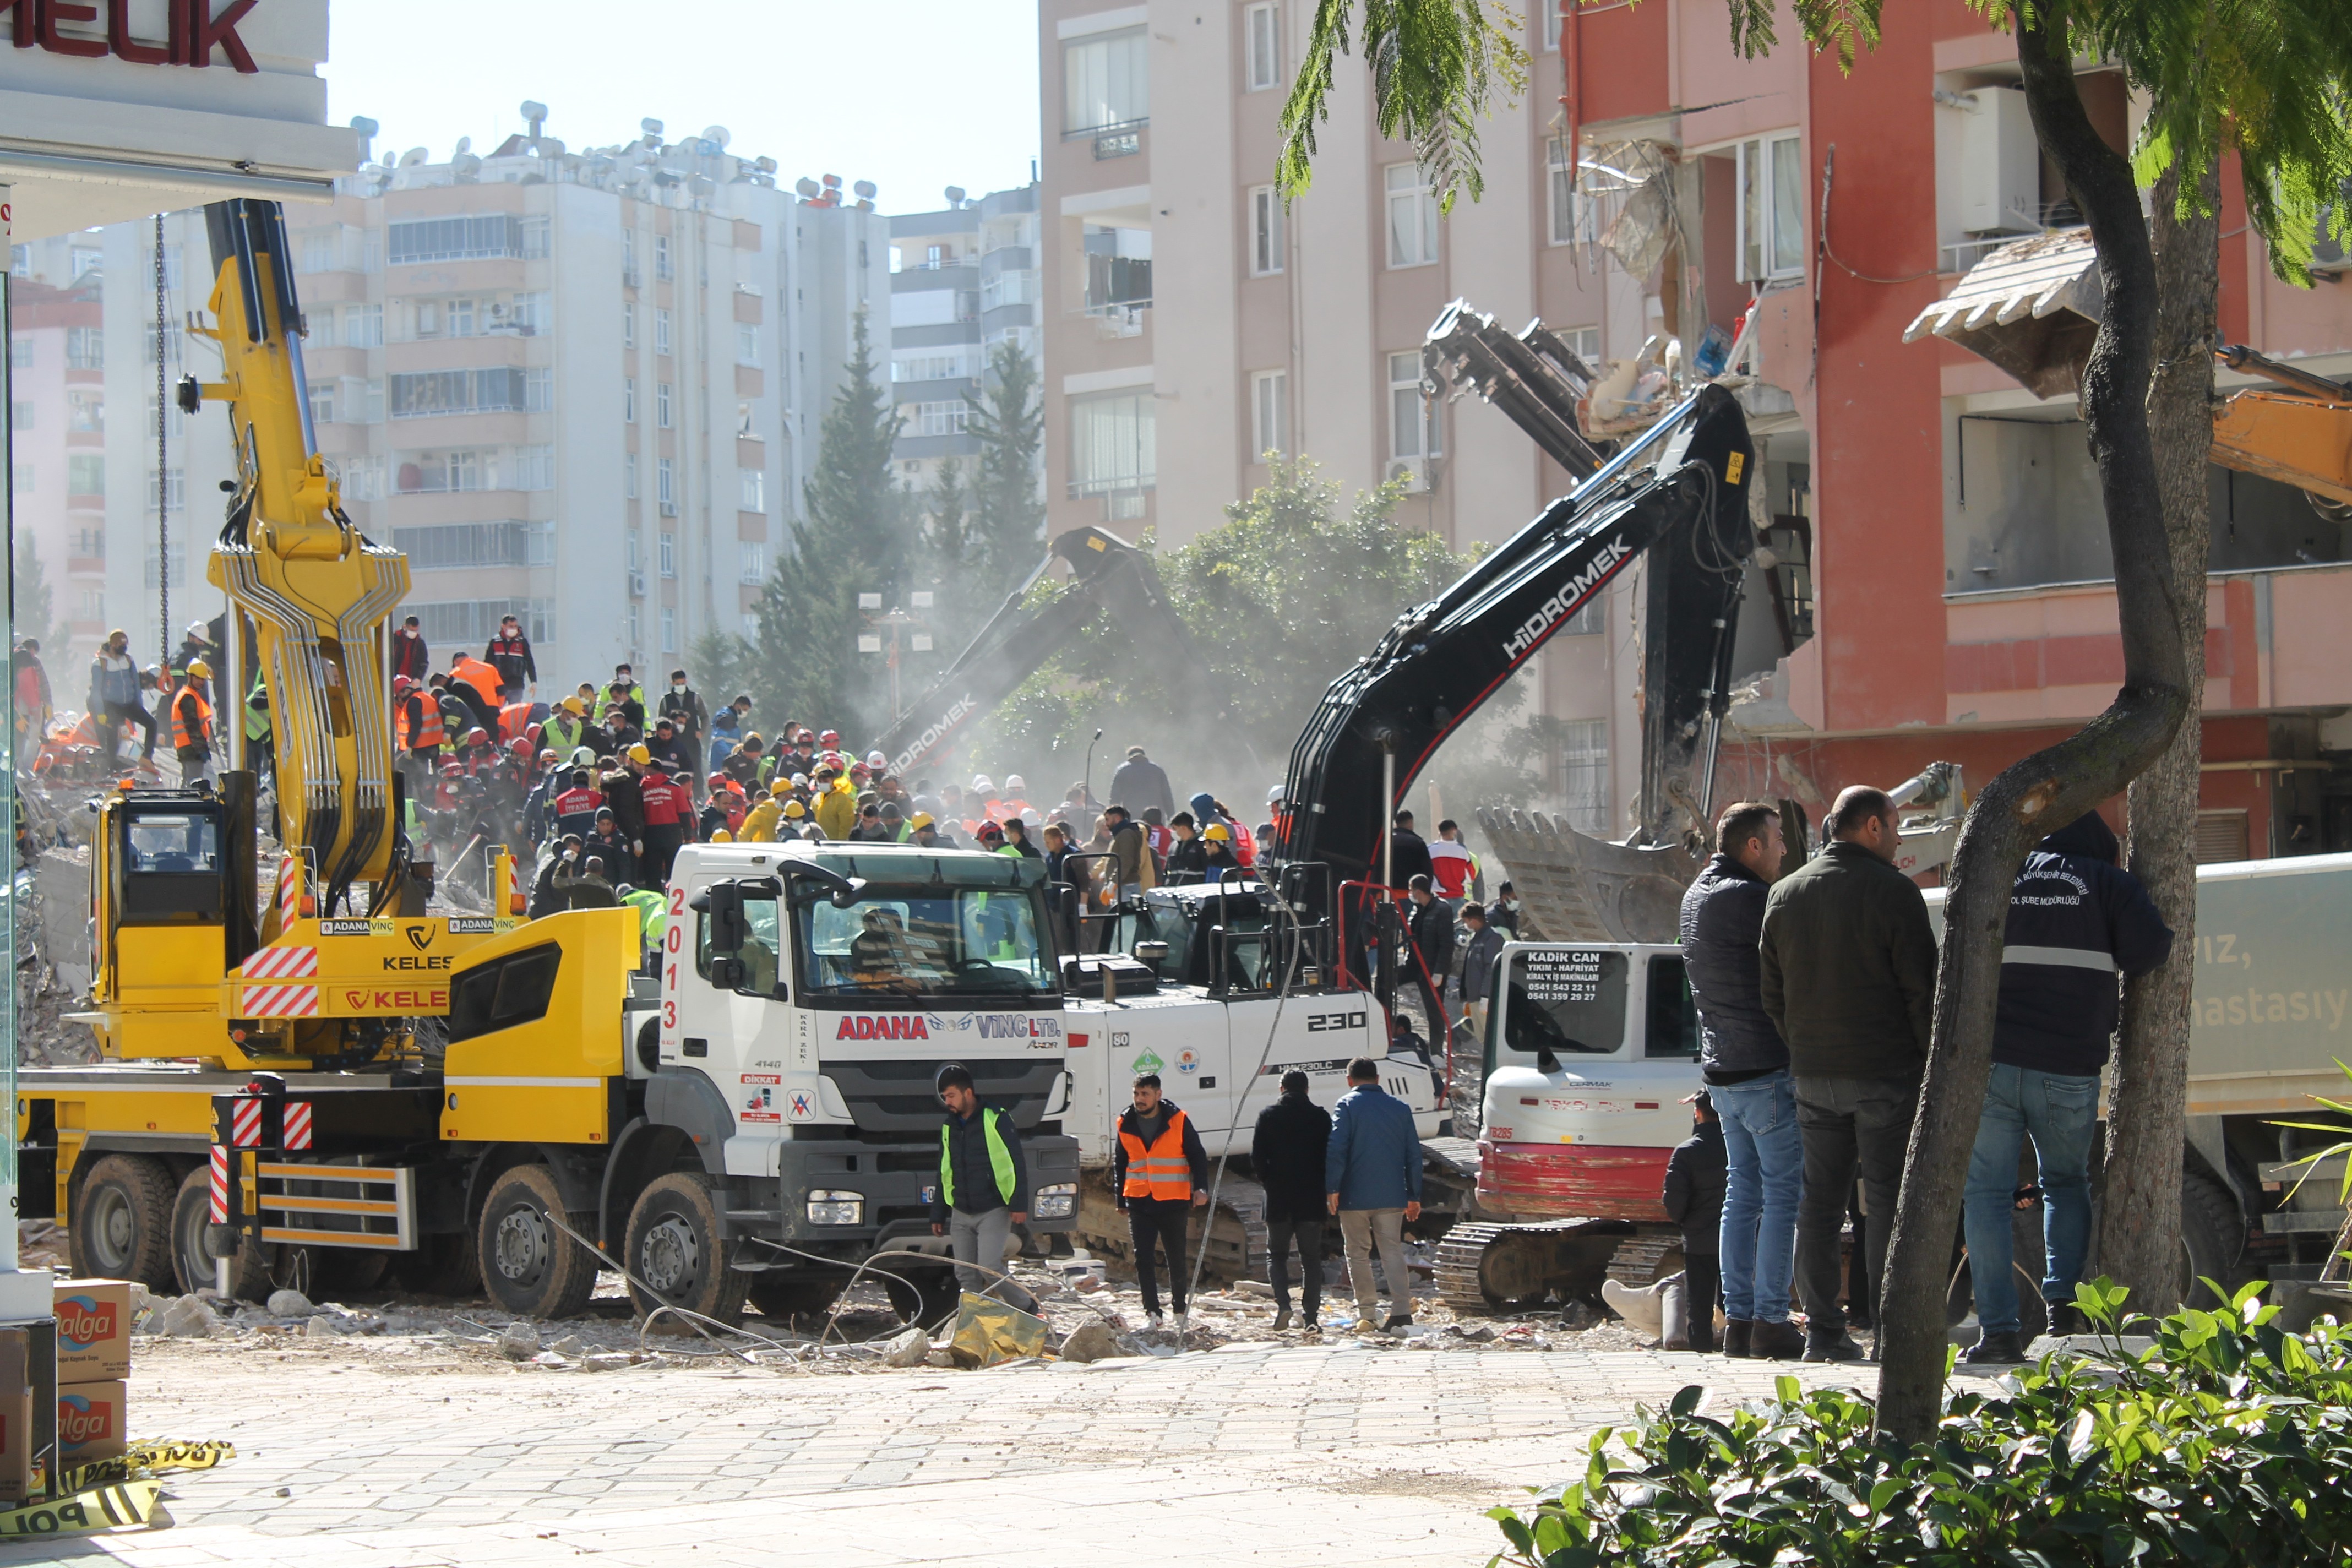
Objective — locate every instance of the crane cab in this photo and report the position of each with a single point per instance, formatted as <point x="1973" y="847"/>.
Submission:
<point x="171" y="900"/>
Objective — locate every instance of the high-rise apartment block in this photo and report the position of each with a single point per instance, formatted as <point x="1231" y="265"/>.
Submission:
<point x="964" y="281"/>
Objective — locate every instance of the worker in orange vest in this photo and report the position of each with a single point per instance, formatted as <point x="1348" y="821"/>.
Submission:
<point x="478" y="684"/>
<point x="192" y="724"/>
<point x="1162" y="1174"/>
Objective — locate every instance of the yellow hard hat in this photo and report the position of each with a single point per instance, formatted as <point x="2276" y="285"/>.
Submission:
<point x="200" y="670"/>
<point x="1216" y="830"/>
<point x="573" y="705"/>
<point x="639" y="754"/>
<point x="780" y="789"/>
<point x="794" y="808"/>
<point x="920" y="821"/>
<point x="721" y="836"/>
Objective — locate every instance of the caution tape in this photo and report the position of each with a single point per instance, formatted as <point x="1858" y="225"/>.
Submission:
<point x="108" y="1494"/>
<point x="142" y="1460"/>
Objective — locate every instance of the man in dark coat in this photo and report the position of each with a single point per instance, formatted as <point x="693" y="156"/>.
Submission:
<point x="1142" y="783"/>
<point x="1694" y="1200"/>
<point x="1287" y="1150"/>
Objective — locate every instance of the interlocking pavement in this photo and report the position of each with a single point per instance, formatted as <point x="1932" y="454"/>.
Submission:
<point x="1255" y="1453"/>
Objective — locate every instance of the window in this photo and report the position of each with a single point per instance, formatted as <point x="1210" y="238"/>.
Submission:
<point x="20" y="478"/>
<point x="1563" y="188"/>
<point x="939" y="419"/>
<point x="751" y="559"/>
<point x="1551" y="21"/>
<point x="636" y="552"/>
<point x="661" y="405"/>
<point x="455" y="238"/>
<point x="20" y="348"/>
<point x="361" y="477"/>
<point x="87" y="259"/>
<point x="428" y="319"/>
<point x="629" y="257"/>
<point x="363" y="326"/>
<point x="1118" y="270"/>
<point x="668" y="629"/>
<point x="1584" y="774"/>
<point x="476" y="620"/>
<point x="1772" y="222"/>
<point x="1261" y="47"/>
<point x="1113" y="452"/>
<point x="93" y="603"/>
<point x="431" y="393"/>
<point x="666" y="553"/>
<point x="661" y="331"/>
<point x="322" y="402"/>
<point x="20" y="416"/>
<point x="629" y="475"/>
<point x="666" y="482"/>
<point x="743" y="419"/>
<point x="628" y="400"/>
<point x="1584" y="342"/>
<point x="1269" y="413"/>
<point x="85" y="348"/>
<point x="747" y="345"/>
<point x="1266" y="231"/>
<point x="538" y="389"/>
<point x="153" y="575"/>
<point x="534" y="238"/>
<point x="504" y="993"/>
<point x="661" y="257"/>
<point x="1414" y="429"/>
<point x="629" y="326"/>
<point x="460" y="315"/>
<point x="533" y="469"/>
<point x="179" y="485"/>
<point x="171" y="344"/>
<point x="637" y="628"/>
<point x="531" y="314"/>
<point x="930" y="367"/>
<point x="1413" y="217"/>
<point x="458" y="546"/>
<point x="85" y="412"/>
<point x="752" y="485"/>
<point x="1590" y="619"/>
<point x="1105" y="81"/>
<point x="89" y="543"/>
<point x="319" y="251"/>
<point x="85" y="474"/>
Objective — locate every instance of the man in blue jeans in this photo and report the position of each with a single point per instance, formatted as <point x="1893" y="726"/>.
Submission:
<point x="1746" y="1066"/>
<point x="2075" y="921"/>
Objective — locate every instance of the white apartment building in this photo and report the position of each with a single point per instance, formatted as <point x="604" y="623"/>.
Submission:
<point x="964" y="279"/>
<point x="584" y="388"/>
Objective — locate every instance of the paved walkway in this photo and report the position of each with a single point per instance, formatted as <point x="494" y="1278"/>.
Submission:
<point x="1261" y="1454"/>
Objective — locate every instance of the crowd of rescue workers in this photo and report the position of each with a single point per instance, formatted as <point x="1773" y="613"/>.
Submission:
<point x="1813" y="985"/>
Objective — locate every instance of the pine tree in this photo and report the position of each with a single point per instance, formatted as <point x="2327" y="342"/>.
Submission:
<point x="855" y="536"/>
<point x="1006" y="534"/>
<point x="947" y="532"/>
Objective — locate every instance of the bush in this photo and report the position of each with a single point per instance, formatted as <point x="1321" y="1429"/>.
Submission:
<point x="2230" y="1442"/>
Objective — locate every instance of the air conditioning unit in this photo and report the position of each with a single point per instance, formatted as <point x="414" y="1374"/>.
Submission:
<point x="1413" y="473"/>
<point x="637" y="585"/>
<point x="669" y="509"/>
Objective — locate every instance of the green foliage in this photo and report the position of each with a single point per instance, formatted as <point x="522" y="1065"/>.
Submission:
<point x="1436" y="64"/>
<point x="1007" y="531"/>
<point x="722" y="664"/>
<point x="2229" y="1442"/>
<point x="858" y="537"/>
<point x="34" y="610"/>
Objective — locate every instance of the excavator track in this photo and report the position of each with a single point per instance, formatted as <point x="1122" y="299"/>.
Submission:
<point x="1236" y="1241"/>
<point x="1484" y="1267"/>
<point x="1642" y="1260"/>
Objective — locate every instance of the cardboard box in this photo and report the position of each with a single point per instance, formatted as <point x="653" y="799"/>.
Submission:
<point x="21" y="1474"/>
<point x="93" y="1423"/>
<point x="93" y="1329"/>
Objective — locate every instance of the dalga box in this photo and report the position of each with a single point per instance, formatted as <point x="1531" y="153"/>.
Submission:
<point x="90" y="1421"/>
<point x="93" y="1329"/>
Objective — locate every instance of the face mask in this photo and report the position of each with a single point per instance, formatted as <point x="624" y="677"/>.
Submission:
<point x="678" y="686"/>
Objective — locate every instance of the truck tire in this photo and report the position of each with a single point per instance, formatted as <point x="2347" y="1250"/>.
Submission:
<point x="784" y="1296"/>
<point x="121" y="1225"/>
<point x="923" y="1298"/>
<point x="445" y="1265"/>
<point x="193" y="1255"/>
<point x="2212" y="1239"/>
<point x="529" y="1267"/>
<point x="675" y="1252"/>
<point x="347" y="1270"/>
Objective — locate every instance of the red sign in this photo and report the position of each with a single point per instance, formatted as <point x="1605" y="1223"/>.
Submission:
<point x="84" y="1320"/>
<point x="196" y="29"/>
<point x="889" y="1027"/>
<point x="396" y="1001"/>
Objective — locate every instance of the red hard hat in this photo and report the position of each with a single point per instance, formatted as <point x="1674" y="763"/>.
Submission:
<point x="455" y="768"/>
<point x="520" y="745"/>
<point x="477" y="736"/>
<point x="402" y="683"/>
<point x="830" y="737"/>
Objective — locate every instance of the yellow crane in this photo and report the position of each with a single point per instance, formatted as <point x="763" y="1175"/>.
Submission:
<point x="2298" y="430"/>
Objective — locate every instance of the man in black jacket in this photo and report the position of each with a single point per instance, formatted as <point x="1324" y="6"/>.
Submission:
<point x="1848" y="976"/>
<point x="1746" y="1066"/>
<point x="1142" y="783"/>
<point x="1160" y="1172"/>
<point x="1431" y="928"/>
<point x="1479" y="956"/>
<point x="1408" y="854"/>
<point x="1287" y="1151"/>
<point x="510" y="653"/>
<point x="1694" y="1200"/>
<point x="983" y="1189"/>
<point x="2075" y="919"/>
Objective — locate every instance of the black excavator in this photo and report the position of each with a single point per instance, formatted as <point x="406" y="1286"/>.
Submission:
<point x="1107" y="575"/>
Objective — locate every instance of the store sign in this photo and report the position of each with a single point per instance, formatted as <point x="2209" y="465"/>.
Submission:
<point x="195" y="29"/>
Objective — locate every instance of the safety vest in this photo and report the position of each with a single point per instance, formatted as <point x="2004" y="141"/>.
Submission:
<point x="1000" y="1158"/>
<point x="180" y="736"/>
<point x="1160" y="1170"/>
<point x="482" y="678"/>
<point x="653" y="911"/>
<point x="257" y="712"/>
<point x="513" y="720"/>
<point x="561" y="732"/>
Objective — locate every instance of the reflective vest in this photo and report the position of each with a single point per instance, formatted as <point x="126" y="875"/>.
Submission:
<point x="180" y="736"/>
<point x="423" y="732"/>
<point x="653" y="910"/>
<point x="257" y="712"/>
<point x="482" y="678"/>
<point x="1160" y="1170"/>
<point x="513" y="720"/>
<point x="561" y="732"/>
<point x="1000" y="1158"/>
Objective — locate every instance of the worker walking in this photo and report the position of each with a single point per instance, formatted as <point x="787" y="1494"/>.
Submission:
<point x="510" y="655"/>
<point x="1287" y="1150"/>
<point x="669" y="818"/>
<point x="192" y="724"/>
<point x="1161" y="1173"/>
<point x="1694" y="1200"/>
<point x="983" y="1189"/>
<point x="1371" y="1179"/>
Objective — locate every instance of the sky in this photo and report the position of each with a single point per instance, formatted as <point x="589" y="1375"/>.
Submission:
<point x="914" y="95"/>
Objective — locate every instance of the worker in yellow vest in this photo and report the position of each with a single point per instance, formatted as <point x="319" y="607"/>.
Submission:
<point x="192" y="724"/>
<point x="1162" y="1173"/>
<point x="983" y="1189"/>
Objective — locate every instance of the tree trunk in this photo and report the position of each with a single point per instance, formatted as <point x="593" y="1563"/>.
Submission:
<point x="2139" y="1227"/>
<point x="2055" y="786"/>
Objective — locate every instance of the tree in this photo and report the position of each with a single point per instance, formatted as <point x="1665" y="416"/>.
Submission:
<point x="2265" y="78"/>
<point x="855" y="536"/>
<point x="33" y="606"/>
<point x="1008" y="516"/>
<point x="722" y="664"/>
<point x="947" y="525"/>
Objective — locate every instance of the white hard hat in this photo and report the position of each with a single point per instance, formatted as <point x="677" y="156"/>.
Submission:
<point x="199" y="628"/>
<point x="875" y="760"/>
<point x="1014" y="782"/>
<point x="981" y="783"/>
<point x="1031" y="816"/>
<point x="1274" y="795"/>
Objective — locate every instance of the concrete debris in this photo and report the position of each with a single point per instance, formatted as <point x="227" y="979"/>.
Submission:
<point x="290" y="1304"/>
<point x="322" y="1326"/>
<point x="570" y="1346"/>
<point x="940" y="1356"/>
<point x="911" y="1348"/>
<point x="187" y="1318"/>
<point x="1092" y="1341"/>
<point x="1480" y="1334"/>
<point x="607" y="1361"/>
<point x="518" y="1342"/>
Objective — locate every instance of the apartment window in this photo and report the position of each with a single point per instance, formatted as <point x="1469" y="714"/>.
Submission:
<point x="666" y="553"/>
<point x="636" y="552"/>
<point x="503" y="390"/>
<point x="1590" y="619"/>
<point x="453" y="546"/>
<point x="361" y="477"/>
<point x="1113" y="450"/>
<point x="629" y="476"/>
<point x="20" y="416"/>
<point x="930" y="367"/>
<point x="20" y="348"/>
<point x="1266" y="231"/>
<point x="1119" y="269"/>
<point x="1413" y="217"/>
<point x="637" y="628"/>
<point x="1105" y="81"/>
<point x="153" y="577"/>
<point x="531" y="314"/>
<point x="668" y="629"/>
<point x="751" y="562"/>
<point x="85" y="474"/>
<point x="363" y="326"/>
<point x="476" y="620"/>
<point x="428" y="319"/>
<point x="1414" y="429"/>
<point x="319" y="252"/>
<point x="666" y="481"/>
<point x="85" y="348"/>
<point x="1269" y="413"/>
<point x="1261" y="47"/>
<point x="1584" y="342"/>
<point x="1584" y="774"/>
<point x="85" y="412"/>
<point x="1770" y="238"/>
<point x="1551" y="21"/>
<point x="535" y="237"/>
<point x="169" y="342"/>
<point x="538" y="389"/>
<point x="661" y="257"/>
<point x="752" y="485"/>
<point x="1563" y="188"/>
<point x="629" y="326"/>
<point x="322" y="402"/>
<point x="93" y="603"/>
<point x="461" y="318"/>
<point x="534" y="469"/>
<point x="628" y="400"/>
<point x="462" y="238"/>
<point x="661" y="331"/>
<point x="747" y="345"/>
<point x="743" y="419"/>
<point x="939" y="419"/>
<point x="178" y="486"/>
<point x="20" y="478"/>
<point x="661" y="405"/>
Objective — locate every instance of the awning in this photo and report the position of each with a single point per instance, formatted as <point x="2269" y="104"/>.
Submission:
<point x="2031" y="308"/>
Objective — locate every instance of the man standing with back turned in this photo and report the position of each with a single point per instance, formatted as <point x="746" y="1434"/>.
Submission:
<point x="1286" y="1150"/>
<point x="1371" y="1179"/>
<point x="1746" y="1066"/>
<point x="1848" y="976"/>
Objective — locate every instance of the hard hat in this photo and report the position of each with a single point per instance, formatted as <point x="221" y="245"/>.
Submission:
<point x="154" y="672"/>
<point x="1031" y="816"/>
<point x="546" y="755"/>
<point x="780" y="789"/>
<point x="1015" y="784"/>
<point x="920" y="821"/>
<point x="402" y="683"/>
<point x="721" y="836"/>
<point x="583" y="756"/>
<point x="520" y="745"/>
<point x="452" y="768"/>
<point x="198" y="629"/>
<point x="639" y="754"/>
<point x="753" y="739"/>
<point x="1217" y="830"/>
<point x="199" y="669"/>
<point x="1274" y="795"/>
<point x="477" y="736"/>
<point x="794" y="808"/>
<point x="990" y="830"/>
<point x="800" y="781"/>
<point x="877" y="760"/>
<point x="980" y="784"/>
<point x="830" y="737"/>
<point x="573" y="705"/>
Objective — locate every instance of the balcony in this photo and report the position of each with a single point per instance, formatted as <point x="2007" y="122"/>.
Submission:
<point x="1119" y="139"/>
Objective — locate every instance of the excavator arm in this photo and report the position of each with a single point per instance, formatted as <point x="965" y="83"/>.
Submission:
<point x="1109" y="574"/>
<point x="2297" y="431"/>
<point x="315" y="590"/>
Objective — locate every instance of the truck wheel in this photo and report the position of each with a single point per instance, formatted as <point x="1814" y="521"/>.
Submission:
<point x="446" y="1265"/>
<point x="923" y="1298"/>
<point x="674" y="1250"/>
<point x="193" y="1255"/>
<point x="121" y="1228"/>
<point x="782" y="1295"/>
<point x="2212" y="1238"/>
<point x="337" y="1271"/>
<point x="529" y="1267"/>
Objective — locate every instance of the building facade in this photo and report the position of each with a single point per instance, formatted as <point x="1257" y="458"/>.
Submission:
<point x="1961" y="603"/>
<point x="963" y="282"/>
